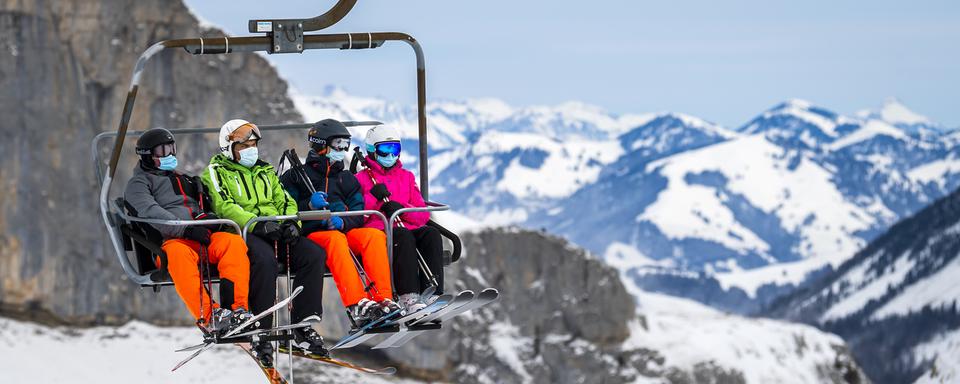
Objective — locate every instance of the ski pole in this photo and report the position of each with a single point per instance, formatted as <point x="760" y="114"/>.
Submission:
<point x="297" y="166"/>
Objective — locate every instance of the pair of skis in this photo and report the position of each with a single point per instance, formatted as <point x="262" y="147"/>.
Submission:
<point x="407" y="327"/>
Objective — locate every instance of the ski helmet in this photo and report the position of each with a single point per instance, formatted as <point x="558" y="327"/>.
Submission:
<point x="380" y="134"/>
<point x="323" y="131"/>
<point x="150" y="140"/>
<point x="236" y="131"/>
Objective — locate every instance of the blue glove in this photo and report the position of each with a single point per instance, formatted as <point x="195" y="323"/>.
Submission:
<point x="335" y="223"/>
<point x="318" y="200"/>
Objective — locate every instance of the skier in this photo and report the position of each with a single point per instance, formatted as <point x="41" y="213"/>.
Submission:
<point x="243" y="187"/>
<point x="158" y="191"/>
<point x="339" y="191"/>
<point x="387" y="187"/>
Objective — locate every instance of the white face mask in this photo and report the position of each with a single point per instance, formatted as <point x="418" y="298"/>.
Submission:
<point x="336" y="156"/>
<point x="248" y="157"/>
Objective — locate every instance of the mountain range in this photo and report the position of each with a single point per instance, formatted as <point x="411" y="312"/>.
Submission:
<point x="729" y="217"/>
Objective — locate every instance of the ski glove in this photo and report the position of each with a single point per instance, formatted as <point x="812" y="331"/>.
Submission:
<point x="290" y="232"/>
<point x="335" y="222"/>
<point x="210" y="216"/>
<point x="318" y="200"/>
<point x="380" y="192"/>
<point x="198" y="234"/>
<point x="389" y="208"/>
<point x="268" y="230"/>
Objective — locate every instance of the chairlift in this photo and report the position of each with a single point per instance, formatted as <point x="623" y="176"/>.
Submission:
<point x="132" y="237"/>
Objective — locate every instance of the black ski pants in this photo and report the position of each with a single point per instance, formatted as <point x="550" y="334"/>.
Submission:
<point x="308" y="261"/>
<point x="407" y="276"/>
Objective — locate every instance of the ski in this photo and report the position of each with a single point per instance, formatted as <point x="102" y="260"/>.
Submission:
<point x="275" y="329"/>
<point x="274" y="308"/>
<point x="273" y="375"/>
<point x="329" y="360"/>
<point x="438" y="305"/>
<point x="463" y="298"/>
<point x="251" y="333"/>
<point x="361" y="334"/>
<point x="485" y="297"/>
<point x="243" y="325"/>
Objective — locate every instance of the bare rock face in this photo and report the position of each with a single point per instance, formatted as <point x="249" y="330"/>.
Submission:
<point x="64" y="72"/>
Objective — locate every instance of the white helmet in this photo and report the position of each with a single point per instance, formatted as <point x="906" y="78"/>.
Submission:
<point x="231" y="133"/>
<point x="380" y="134"/>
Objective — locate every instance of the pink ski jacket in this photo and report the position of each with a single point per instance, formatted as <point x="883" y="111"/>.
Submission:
<point x="403" y="189"/>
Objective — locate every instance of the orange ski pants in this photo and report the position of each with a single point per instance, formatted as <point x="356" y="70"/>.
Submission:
<point x="227" y="251"/>
<point x="370" y="246"/>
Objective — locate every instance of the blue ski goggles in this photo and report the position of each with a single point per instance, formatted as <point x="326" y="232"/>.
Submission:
<point x="390" y="148"/>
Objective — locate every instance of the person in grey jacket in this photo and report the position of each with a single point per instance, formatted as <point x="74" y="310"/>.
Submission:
<point x="158" y="191"/>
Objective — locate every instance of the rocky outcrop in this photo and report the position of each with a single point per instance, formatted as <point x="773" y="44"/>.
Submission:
<point x="64" y="71"/>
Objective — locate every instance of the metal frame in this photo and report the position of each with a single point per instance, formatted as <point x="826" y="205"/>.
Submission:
<point x="278" y="40"/>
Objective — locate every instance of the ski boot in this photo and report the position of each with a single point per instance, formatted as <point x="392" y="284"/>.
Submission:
<point x="364" y="312"/>
<point x="223" y="321"/>
<point x="410" y="302"/>
<point x="263" y="351"/>
<point x="309" y="341"/>
<point x="388" y="306"/>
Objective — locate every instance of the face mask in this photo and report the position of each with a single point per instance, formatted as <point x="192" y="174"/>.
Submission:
<point x="168" y="163"/>
<point x="387" y="161"/>
<point x="248" y="157"/>
<point x="336" y="156"/>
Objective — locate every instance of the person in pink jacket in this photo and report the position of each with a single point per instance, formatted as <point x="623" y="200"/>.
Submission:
<point x="387" y="187"/>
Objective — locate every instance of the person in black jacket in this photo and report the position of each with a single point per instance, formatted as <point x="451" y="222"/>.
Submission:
<point x="339" y="191"/>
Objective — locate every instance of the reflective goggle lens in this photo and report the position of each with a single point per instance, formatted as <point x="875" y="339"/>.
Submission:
<point x="164" y="150"/>
<point x="340" y="144"/>
<point x="388" y="149"/>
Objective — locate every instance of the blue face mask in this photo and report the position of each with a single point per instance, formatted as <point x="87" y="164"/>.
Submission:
<point x="336" y="156"/>
<point x="387" y="161"/>
<point x="249" y="157"/>
<point x="168" y="163"/>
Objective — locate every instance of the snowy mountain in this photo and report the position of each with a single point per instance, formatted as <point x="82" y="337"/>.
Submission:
<point x="895" y="302"/>
<point x="796" y="191"/>
<point x="751" y="213"/>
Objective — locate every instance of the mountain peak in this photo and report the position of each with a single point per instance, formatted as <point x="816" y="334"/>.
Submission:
<point x="893" y="111"/>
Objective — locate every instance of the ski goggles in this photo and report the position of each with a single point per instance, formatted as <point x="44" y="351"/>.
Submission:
<point x="339" y="144"/>
<point x="164" y="150"/>
<point x="390" y="148"/>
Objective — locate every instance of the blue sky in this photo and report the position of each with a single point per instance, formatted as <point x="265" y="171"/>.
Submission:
<point x="722" y="61"/>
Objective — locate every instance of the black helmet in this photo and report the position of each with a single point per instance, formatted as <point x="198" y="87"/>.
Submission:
<point x="150" y="140"/>
<point x="323" y="130"/>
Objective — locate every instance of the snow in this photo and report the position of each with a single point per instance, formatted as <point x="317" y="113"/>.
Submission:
<point x="937" y="290"/>
<point x="868" y="130"/>
<point x="893" y="111"/>
<point x="506" y="342"/>
<point x="804" y="198"/>
<point x="871" y="288"/>
<point x="568" y="166"/>
<point x="943" y="351"/>
<point x="801" y="109"/>
<point x="789" y="273"/>
<point x="935" y="171"/>
<point x="687" y="333"/>
<point x="133" y="353"/>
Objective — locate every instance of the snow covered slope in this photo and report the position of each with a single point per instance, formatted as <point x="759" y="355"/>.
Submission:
<point x="136" y="353"/>
<point x="896" y="300"/>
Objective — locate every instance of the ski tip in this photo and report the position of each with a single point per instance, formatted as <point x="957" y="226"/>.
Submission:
<point x="387" y="371"/>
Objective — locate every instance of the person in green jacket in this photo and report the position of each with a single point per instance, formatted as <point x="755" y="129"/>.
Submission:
<point x="243" y="187"/>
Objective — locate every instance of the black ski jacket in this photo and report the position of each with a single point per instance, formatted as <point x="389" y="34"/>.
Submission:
<point x="342" y="188"/>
